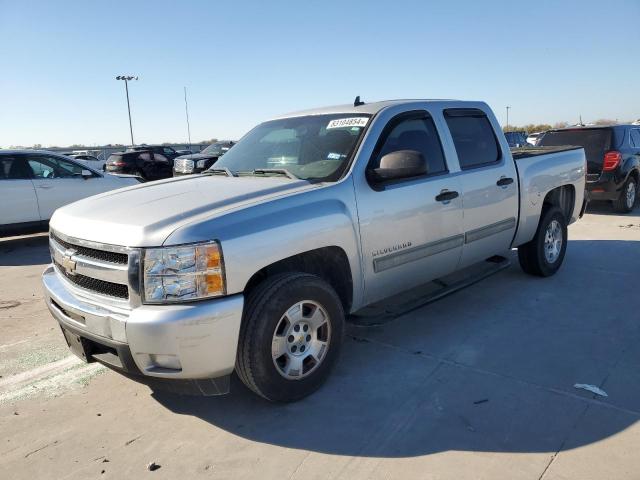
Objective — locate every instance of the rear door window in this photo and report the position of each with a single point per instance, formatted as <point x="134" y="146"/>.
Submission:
<point x="473" y="137"/>
<point x="158" y="157"/>
<point x="13" y="168"/>
<point x="635" y="137"/>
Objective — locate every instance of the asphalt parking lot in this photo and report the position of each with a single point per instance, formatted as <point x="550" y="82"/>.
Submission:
<point x="477" y="385"/>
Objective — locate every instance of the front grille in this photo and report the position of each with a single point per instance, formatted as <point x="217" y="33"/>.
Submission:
<point x="183" y="165"/>
<point x="105" y="256"/>
<point x="99" y="286"/>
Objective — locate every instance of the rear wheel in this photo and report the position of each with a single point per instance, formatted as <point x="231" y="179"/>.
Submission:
<point x="290" y="337"/>
<point x="627" y="198"/>
<point x="544" y="255"/>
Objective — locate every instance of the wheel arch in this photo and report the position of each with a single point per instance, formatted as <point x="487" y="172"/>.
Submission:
<point x="330" y="263"/>
<point x="562" y="197"/>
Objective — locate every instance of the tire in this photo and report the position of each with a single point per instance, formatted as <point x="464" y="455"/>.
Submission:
<point x="533" y="256"/>
<point x="624" y="204"/>
<point x="265" y="328"/>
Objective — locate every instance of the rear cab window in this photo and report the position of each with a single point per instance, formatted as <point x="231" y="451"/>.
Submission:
<point x="473" y="136"/>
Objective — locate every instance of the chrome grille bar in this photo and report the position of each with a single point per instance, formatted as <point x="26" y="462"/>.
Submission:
<point x="89" y="267"/>
<point x="108" y="271"/>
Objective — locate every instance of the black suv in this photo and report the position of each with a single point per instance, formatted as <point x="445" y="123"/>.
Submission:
<point x="516" y="139"/>
<point x="168" y="152"/>
<point x="198" y="162"/>
<point x="144" y="163"/>
<point x="613" y="160"/>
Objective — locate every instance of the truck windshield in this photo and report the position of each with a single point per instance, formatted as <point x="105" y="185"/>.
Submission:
<point x="314" y="147"/>
<point x="216" y="149"/>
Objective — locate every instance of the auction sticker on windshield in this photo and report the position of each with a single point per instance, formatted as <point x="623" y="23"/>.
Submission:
<point x="348" y="122"/>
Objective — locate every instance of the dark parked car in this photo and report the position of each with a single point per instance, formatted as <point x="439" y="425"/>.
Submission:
<point x="168" y="152"/>
<point x="613" y="160"/>
<point x="144" y="163"/>
<point x="516" y="139"/>
<point x="198" y="162"/>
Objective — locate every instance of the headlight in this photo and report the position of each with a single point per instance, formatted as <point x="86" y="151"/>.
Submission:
<point x="201" y="163"/>
<point x="187" y="272"/>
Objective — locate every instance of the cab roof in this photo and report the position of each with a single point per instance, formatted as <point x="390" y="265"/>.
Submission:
<point x="366" y="108"/>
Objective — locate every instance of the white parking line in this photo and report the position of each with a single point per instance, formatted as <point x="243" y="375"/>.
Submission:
<point x="50" y="378"/>
<point x="9" y="345"/>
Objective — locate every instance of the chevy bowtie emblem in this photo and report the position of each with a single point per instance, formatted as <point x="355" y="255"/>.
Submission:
<point x="68" y="264"/>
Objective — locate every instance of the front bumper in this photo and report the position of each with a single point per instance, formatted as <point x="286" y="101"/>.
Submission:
<point x="189" y="346"/>
<point x="178" y="173"/>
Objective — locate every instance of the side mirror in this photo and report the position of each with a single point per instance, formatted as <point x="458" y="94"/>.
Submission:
<point x="86" y="174"/>
<point x="400" y="164"/>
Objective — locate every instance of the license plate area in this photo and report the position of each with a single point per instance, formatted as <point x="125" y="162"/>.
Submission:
<point x="77" y="345"/>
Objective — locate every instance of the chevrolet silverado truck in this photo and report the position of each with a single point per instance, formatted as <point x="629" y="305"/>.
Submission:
<point x="252" y="266"/>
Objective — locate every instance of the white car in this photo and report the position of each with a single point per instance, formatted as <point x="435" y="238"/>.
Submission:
<point x="532" y="139"/>
<point x="33" y="184"/>
<point x="89" y="160"/>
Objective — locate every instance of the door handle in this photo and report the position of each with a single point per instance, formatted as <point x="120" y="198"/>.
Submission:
<point x="45" y="187"/>
<point x="504" y="181"/>
<point x="446" y="196"/>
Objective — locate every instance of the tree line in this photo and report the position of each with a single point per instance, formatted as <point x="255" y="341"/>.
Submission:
<point x="543" y="127"/>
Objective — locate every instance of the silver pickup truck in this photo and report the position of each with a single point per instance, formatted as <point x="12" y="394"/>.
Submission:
<point x="253" y="265"/>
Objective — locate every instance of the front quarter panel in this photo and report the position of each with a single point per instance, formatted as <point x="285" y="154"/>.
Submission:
<point x="255" y="237"/>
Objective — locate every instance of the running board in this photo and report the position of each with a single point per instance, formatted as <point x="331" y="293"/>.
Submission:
<point x="390" y="308"/>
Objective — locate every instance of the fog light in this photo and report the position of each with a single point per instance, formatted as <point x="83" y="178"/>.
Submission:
<point x="171" y="362"/>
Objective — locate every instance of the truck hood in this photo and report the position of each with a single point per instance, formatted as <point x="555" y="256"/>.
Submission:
<point x="145" y="215"/>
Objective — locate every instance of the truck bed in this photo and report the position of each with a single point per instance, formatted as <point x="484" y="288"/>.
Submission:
<point x="519" y="153"/>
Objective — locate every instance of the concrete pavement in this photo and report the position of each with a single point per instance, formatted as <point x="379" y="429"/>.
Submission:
<point x="476" y="385"/>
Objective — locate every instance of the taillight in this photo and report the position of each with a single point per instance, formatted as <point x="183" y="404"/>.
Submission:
<point x="611" y="161"/>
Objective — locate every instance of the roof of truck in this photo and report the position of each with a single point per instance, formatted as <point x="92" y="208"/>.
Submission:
<point x="367" y="108"/>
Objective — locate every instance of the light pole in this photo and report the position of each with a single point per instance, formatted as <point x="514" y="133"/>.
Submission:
<point x="186" y="110"/>
<point x="126" y="79"/>
<point x="508" y="117"/>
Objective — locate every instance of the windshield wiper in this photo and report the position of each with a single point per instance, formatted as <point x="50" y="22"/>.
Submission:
<point x="217" y="171"/>
<point x="280" y="171"/>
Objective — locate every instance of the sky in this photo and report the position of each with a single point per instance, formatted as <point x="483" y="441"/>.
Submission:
<point x="243" y="62"/>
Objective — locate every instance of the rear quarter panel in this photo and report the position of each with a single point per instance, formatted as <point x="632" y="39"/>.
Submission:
<point x="537" y="176"/>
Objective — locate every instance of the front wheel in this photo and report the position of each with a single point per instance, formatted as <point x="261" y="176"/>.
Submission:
<point x="543" y="255"/>
<point x="627" y="198"/>
<point x="291" y="335"/>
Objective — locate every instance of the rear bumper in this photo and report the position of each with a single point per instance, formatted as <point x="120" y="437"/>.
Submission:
<point x="189" y="348"/>
<point x="606" y="187"/>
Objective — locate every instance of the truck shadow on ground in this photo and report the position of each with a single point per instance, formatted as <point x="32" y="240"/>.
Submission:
<point x="490" y="368"/>
<point x="30" y="250"/>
